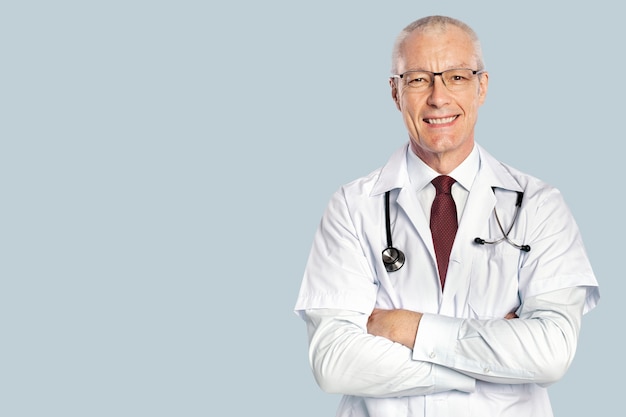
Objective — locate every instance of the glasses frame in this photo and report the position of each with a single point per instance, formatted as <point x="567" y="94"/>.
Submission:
<point x="434" y="74"/>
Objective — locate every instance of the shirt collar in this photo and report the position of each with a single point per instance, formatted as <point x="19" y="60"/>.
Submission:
<point x="420" y="174"/>
<point x="395" y="173"/>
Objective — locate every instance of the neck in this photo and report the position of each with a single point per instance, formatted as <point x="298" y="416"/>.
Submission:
<point x="442" y="162"/>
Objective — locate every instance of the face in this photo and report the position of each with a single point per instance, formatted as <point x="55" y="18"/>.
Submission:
<point x="440" y="122"/>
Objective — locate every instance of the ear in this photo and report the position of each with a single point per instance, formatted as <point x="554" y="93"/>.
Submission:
<point x="394" y="92"/>
<point x="483" y="84"/>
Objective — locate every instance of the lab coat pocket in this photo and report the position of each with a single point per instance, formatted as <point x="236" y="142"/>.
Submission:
<point x="387" y="406"/>
<point x="353" y="406"/>
<point x="494" y="285"/>
<point x="502" y="400"/>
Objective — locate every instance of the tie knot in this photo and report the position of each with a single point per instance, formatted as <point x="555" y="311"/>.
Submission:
<point x="443" y="184"/>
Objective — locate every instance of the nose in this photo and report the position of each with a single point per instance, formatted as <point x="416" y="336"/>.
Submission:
<point x="439" y="93"/>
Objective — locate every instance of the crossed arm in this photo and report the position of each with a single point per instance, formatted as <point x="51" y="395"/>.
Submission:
<point x="399" y="325"/>
<point x="399" y="352"/>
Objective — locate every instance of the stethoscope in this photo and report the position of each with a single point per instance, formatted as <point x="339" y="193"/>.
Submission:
<point x="394" y="258"/>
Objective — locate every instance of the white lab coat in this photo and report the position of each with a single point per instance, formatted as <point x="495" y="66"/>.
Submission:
<point x="345" y="273"/>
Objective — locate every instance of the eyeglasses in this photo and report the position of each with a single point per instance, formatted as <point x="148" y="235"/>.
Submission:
<point x="456" y="79"/>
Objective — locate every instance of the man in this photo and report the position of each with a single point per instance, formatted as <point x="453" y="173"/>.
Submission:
<point x="478" y="325"/>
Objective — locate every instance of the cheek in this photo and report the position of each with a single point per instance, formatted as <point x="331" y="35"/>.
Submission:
<point x="410" y="107"/>
<point x="472" y="109"/>
<point x="411" y="118"/>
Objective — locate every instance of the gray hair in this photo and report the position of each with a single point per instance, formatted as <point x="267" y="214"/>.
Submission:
<point x="435" y="23"/>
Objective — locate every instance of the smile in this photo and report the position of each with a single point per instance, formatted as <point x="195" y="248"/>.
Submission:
<point x="440" y="121"/>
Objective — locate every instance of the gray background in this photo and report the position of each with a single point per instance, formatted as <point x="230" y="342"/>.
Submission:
<point x="164" y="164"/>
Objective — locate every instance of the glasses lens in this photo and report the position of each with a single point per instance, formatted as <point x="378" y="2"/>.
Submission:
<point x="418" y="79"/>
<point x="457" y="79"/>
<point x="454" y="79"/>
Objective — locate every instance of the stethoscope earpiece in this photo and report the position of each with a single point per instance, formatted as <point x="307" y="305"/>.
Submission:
<point x="394" y="258"/>
<point x="505" y="234"/>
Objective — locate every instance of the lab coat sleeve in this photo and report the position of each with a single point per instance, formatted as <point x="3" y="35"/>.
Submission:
<point x="558" y="258"/>
<point x="347" y="360"/>
<point x="538" y="347"/>
<point x="337" y="274"/>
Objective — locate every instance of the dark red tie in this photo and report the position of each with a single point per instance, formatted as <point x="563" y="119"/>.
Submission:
<point x="443" y="223"/>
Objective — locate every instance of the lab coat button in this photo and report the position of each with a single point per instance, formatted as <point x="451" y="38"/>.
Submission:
<point x="486" y="370"/>
<point x="432" y="355"/>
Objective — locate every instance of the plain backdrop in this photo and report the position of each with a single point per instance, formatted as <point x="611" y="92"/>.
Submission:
<point x="164" y="165"/>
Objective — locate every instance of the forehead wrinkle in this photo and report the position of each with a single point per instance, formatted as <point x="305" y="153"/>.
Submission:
<point x="436" y="51"/>
<point x="460" y="66"/>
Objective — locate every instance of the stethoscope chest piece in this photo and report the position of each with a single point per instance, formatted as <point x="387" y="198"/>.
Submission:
<point x="393" y="259"/>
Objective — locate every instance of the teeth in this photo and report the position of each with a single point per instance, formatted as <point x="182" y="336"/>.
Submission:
<point x="441" y="121"/>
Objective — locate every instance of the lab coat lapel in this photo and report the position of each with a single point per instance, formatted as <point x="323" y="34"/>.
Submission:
<point x="394" y="175"/>
<point x="478" y="210"/>
<point x="408" y="202"/>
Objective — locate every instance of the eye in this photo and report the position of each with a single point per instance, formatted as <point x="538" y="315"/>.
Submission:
<point x="417" y="79"/>
<point x="458" y="77"/>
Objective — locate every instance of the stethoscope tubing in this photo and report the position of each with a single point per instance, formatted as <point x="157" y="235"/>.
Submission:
<point x="394" y="258"/>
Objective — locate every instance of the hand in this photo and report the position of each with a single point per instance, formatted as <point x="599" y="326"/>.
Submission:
<point x="396" y="325"/>
<point x="400" y="325"/>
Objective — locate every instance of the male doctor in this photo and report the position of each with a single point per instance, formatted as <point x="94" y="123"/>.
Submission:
<point x="484" y="309"/>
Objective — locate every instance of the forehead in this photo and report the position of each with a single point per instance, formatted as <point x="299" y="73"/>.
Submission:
<point x="437" y="50"/>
